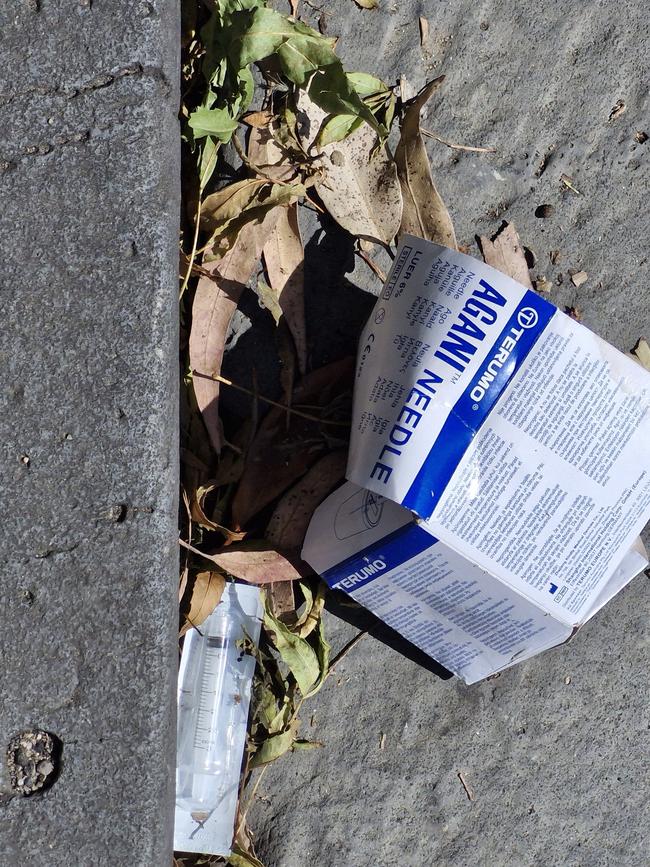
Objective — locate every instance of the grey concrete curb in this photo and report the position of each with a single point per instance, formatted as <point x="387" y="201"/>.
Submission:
<point x="89" y="179"/>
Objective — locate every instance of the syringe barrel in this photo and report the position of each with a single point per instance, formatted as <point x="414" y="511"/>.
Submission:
<point x="214" y="690"/>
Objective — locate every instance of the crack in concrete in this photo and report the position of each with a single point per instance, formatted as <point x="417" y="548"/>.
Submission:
<point x="98" y="82"/>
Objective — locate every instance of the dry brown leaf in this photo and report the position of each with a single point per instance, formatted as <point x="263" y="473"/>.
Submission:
<point x="206" y="592"/>
<point x="288" y="524"/>
<point x="642" y="353"/>
<point x="424" y="30"/>
<point x="265" y="154"/>
<point x="424" y="214"/>
<point x="367" y="4"/>
<point x="504" y="251"/>
<point x="359" y="188"/>
<point x="279" y="455"/>
<point x="284" y="258"/>
<point x="255" y="562"/>
<point x="214" y="304"/>
<point x="258" y="118"/>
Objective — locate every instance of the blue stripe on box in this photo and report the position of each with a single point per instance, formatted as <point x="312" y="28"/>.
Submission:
<point x="392" y="551"/>
<point x="466" y="417"/>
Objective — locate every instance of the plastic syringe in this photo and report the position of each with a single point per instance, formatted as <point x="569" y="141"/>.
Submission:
<point x="214" y="689"/>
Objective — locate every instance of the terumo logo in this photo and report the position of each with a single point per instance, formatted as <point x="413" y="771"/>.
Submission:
<point x="527" y="317"/>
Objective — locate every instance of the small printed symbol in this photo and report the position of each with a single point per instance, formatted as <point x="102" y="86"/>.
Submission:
<point x="527" y="317"/>
<point x="552" y="588"/>
<point x="474" y="406"/>
<point x="379" y="315"/>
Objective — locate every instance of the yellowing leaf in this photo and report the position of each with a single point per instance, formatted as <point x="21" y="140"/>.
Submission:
<point x="505" y="253"/>
<point x="269" y="299"/>
<point x="239" y="858"/>
<point x="424" y="213"/>
<point x="229" y="210"/>
<point x="230" y="201"/>
<point x="275" y="746"/>
<point x="296" y="653"/>
<point x="367" y="4"/>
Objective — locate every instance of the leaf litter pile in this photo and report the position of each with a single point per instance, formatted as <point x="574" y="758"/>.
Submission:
<point x="267" y="93"/>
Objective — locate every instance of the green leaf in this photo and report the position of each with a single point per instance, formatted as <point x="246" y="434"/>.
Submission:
<point x="307" y="59"/>
<point x="367" y="85"/>
<point x="332" y="91"/>
<point x="336" y="128"/>
<point x="275" y="746"/>
<point x="208" y="161"/>
<point x="246" y="86"/>
<point x="323" y="651"/>
<point x="212" y="121"/>
<point x="297" y="653"/>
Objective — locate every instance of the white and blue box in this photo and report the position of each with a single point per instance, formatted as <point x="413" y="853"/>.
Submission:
<point x="499" y="467"/>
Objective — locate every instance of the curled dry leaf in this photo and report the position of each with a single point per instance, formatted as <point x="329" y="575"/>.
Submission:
<point x="359" y="186"/>
<point x="367" y="4"/>
<point x="424" y="214"/>
<point x="278" y="455"/>
<point x="198" y="506"/>
<point x="205" y="592"/>
<point x="284" y="258"/>
<point x="214" y="304"/>
<point x="505" y="252"/>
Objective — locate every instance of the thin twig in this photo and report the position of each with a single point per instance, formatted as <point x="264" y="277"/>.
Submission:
<point x="222" y="379"/>
<point x="372" y="265"/>
<point x="457" y="147"/>
<point x="195" y="242"/>
<point x="468" y="790"/>
<point x="348" y="647"/>
<point x="249" y="802"/>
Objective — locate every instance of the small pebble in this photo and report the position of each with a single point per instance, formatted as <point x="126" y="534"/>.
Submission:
<point x="579" y="278"/>
<point x="640" y="137"/>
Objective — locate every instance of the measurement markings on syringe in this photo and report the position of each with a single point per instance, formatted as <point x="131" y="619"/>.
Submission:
<point x="203" y="730"/>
